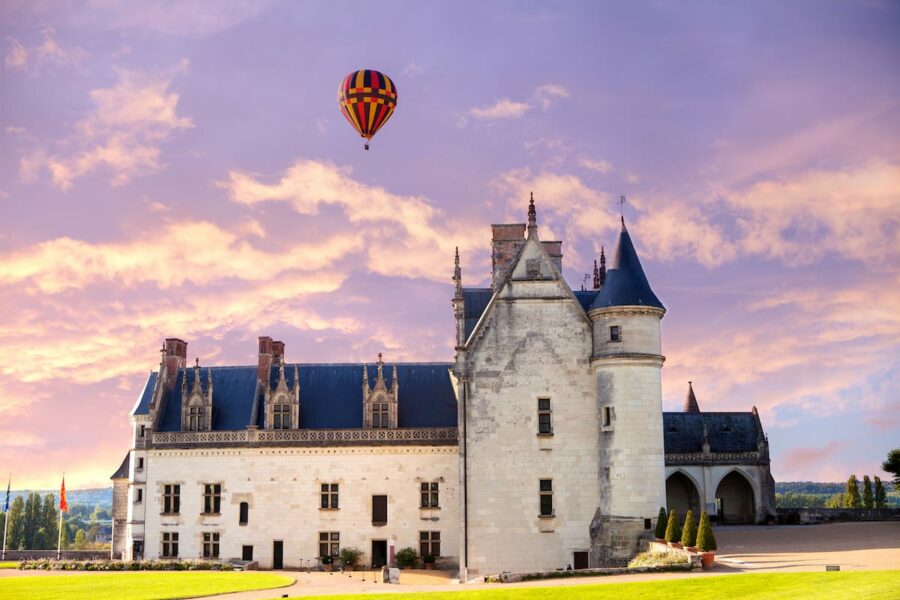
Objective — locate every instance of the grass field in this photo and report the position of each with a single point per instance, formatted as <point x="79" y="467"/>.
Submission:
<point x="136" y="586"/>
<point x="856" y="585"/>
<point x="9" y="564"/>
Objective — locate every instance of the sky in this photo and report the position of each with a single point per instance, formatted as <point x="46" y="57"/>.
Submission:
<point x="182" y="169"/>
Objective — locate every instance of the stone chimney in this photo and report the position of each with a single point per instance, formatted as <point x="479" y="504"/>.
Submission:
<point x="507" y="240"/>
<point x="175" y="359"/>
<point x="266" y="355"/>
<point x="278" y="352"/>
<point x="554" y="251"/>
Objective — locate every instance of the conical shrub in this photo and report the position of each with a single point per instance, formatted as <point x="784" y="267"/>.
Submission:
<point x="661" y="524"/>
<point x="706" y="541"/>
<point x="689" y="531"/>
<point x="673" y="527"/>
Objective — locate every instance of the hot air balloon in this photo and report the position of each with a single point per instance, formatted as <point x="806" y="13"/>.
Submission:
<point x="367" y="99"/>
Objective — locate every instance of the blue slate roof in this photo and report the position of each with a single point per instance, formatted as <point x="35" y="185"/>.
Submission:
<point x="475" y="300"/>
<point x="626" y="284"/>
<point x="330" y="395"/>
<point x="586" y="298"/>
<point x="727" y="431"/>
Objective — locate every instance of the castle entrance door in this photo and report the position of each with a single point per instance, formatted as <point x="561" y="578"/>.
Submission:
<point x="379" y="553"/>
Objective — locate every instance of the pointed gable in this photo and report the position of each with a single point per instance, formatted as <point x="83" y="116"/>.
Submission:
<point x="626" y="284"/>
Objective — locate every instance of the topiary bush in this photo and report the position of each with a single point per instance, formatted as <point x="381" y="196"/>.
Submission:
<point x="673" y="527"/>
<point x="406" y="558"/>
<point x="689" y="530"/>
<point x="706" y="541"/>
<point x="661" y="524"/>
<point x="350" y="556"/>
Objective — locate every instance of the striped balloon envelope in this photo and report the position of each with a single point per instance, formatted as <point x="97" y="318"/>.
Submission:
<point x="367" y="99"/>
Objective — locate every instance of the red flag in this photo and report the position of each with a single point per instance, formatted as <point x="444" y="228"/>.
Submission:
<point x="63" y="505"/>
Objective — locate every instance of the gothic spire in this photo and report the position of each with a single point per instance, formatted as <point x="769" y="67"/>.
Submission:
<point x="602" y="266"/>
<point x="690" y="402"/>
<point x="596" y="276"/>
<point x="532" y="218"/>
<point x="457" y="274"/>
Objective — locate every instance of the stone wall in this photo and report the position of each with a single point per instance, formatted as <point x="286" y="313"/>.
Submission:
<point x="282" y="487"/>
<point x="823" y="515"/>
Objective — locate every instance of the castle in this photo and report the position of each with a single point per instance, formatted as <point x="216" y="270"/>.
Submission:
<point x="543" y="445"/>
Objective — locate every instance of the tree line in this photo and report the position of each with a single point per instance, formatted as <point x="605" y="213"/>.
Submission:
<point x="34" y="524"/>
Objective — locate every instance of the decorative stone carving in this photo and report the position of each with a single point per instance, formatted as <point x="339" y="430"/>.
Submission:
<point x="379" y="401"/>
<point x="283" y="403"/>
<point x="196" y="405"/>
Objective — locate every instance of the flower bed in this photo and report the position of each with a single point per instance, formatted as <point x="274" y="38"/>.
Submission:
<point x="122" y="565"/>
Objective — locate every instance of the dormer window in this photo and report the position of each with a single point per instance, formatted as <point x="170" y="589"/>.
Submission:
<point x="281" y="416"/>
<point x="195" y="419"/>
<point x="614" y="334"/>
<point x="380" y="415"/>
<point x="380" y="399"/>
<point x="282" y="401"/>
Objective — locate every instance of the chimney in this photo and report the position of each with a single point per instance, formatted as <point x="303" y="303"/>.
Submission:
<point x="278" y="352"/>
<point x="176" y="357"/>
<point x="554" y="251"/>
<point x="505" y="244"/>
<point x="265" y="358"/>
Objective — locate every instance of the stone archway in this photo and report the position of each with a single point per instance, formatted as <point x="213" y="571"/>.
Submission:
<point x="682" y="495"/>
<point x="734" y="498"/>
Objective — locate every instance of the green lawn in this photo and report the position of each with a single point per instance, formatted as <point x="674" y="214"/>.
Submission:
<point x="9" y="564"/>
<point x="855" y="585"/>
<point x="148" y="585"/>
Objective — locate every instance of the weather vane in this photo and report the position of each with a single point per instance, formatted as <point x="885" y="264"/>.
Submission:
<point x="621" y="206"/>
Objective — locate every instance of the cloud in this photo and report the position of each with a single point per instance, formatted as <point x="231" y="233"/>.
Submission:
<point x="505" y="108"/>
<point x="600" y="166"/>
<point x="413" y="69"/>
<point x="802" y="459"/>
<point x="403" y="235"/>
<point x="49" y="51"/>
<point x="122" y="135"/>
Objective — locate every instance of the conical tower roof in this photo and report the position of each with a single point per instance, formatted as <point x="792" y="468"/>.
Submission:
<point x="690" y="402"/>
<point x="626" y="284"/>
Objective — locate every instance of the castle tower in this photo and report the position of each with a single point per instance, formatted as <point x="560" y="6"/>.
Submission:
<point x="627" y="362"/>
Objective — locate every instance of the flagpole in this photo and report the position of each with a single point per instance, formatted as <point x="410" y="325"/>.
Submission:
<point x="59" y="527"/>
<point x="6" y="516"/>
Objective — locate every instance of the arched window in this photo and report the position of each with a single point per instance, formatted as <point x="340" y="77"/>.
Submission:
<point x="245" y="513"/>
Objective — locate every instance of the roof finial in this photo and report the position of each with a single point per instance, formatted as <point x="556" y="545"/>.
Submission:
<point x="457" y="274"/>
<point x="532" y="217"/>
<point x="622" y="210"/>
<point x="196" y="362"/>
<point x="602" y="266"/>
<point x="596" y="276"/>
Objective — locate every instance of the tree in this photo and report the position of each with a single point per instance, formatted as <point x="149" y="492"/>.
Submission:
<point x="49" y="520"/>
<point x="80" y="539"/>
<point x="868" y="498"/>
<point x="661" y="524"/>
<point x="880" y="495"/>
<point x="852" y="499"/>
<point x="689" y="531"/>
<point x="16" y="539"/>
<point x="66" y="540"/>
<point x="673" y="527"/>
<point x="892" y="465"/>
<point x="706" y="541"/>
<point x="836" y="500"/>
<point x="32" y="518"/>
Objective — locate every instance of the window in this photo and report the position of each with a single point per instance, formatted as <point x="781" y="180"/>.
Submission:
<point x="170" y="544"/>
<point x="329" y="495"/>
<point x="212" y="498"/>
<point x="429" y="543"/>
<point x="379" y="510"/>
<point x="140" y="465"/>
<point x="138" y="495"/>
<point x="607" y="416"/>
<point x="546" y="489"/>
<point x="195" y="418"/>
<point x="245" y="513"/>
<point x="429" y="494"/>
<point x="329" y="543"/>
<point x="614" y="334"/>
<point x="210" y="545"/>
<point x="246" y="552"/>
<point x="380" y="416"/>
<point x="143" y="430"/>
<point x="281" y="416"/>
<point x="545" y="427"/>
<point x="171" y="498"/>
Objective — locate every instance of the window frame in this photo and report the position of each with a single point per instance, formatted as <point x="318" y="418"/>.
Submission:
<point x="212" y="498"/>
<point x="330" y="541"/>
<point x="281" y="416"/>
<point x="381" y="415"/>
<point x="171" y="499"/>
<point x="545" y="417"/>
<point x="210" y="545"/>
<point x="429" y="494"/>
<point x="429" y="541"/>
<point x="196" y="420"/>
<point x="329" y="496"/>
<point x="545" y="495"/>
<point x="615" y="333"/>
<point x="243" y="513"/>
<point x="138" y="495"/>
<point x="169" y="542"/>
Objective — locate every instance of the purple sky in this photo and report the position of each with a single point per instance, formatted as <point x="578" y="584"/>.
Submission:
<point x="182" y="169"/>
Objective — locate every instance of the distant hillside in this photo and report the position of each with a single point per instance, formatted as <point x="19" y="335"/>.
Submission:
<point x="90" y="497"/>
<point x="816" y="487"/>
<point x="813" y="494"/>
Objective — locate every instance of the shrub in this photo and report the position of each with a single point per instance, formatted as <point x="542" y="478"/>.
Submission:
<point x="326" y="560"/>
<point x="657" y="559"/>
<point x="706" y="541"/>
<point x="661" y="524"/>
<point x="673" y="527"/>
<point x="429" y="559"/>
<point x="689" y="531"/>
<point x="407" y="557"/>
<point x="118" y="565"/>
<point x="350" y="556"/>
